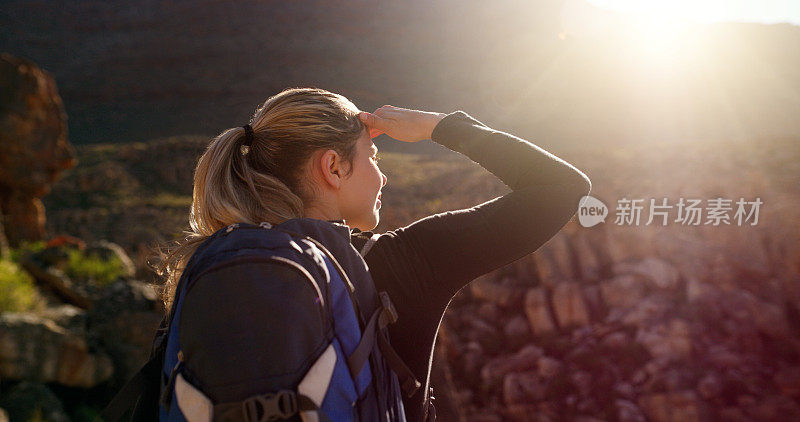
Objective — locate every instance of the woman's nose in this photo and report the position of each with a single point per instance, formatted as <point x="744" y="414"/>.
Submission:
<point x="385" y="179"/>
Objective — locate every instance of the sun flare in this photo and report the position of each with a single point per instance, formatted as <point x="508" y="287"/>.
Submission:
<point x="658" y="37"/>
<point x="652" y="33"/>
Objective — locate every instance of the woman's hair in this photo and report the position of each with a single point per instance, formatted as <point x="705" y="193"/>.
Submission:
<point x="268" y="184"/>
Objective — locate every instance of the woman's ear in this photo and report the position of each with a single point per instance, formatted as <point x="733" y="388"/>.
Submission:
<point x="329" y="165"/>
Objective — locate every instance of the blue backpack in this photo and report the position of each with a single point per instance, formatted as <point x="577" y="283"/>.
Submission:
<point x="354" y="374"/>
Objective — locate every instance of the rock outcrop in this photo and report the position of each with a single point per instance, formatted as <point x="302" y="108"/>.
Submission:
<point x="34" y="348"/>
<point x="640" y="334"/>
<point x="123" y="322"/>
<point x="33" y="146"/>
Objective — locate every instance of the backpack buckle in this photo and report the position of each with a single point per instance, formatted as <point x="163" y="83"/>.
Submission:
<point x="265" y="225"/>
<point x="388" y="307"/>
<point x="270" y="407"/>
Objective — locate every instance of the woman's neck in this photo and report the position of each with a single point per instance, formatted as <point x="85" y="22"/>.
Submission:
<point x="326" y="214"/>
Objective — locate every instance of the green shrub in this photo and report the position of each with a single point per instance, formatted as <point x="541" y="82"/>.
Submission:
<point x="17" y="290"/>
<point x="93" y="269"/>
<point x="26" y="248"/>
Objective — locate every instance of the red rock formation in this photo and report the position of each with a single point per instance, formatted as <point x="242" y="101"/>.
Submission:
<point x="33" y="145"/>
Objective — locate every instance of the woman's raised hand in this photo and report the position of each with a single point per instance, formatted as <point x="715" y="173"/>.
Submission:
<point x="401" y="123"/>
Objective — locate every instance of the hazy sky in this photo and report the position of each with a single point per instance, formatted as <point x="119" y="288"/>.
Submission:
<point x="765" y="11"/>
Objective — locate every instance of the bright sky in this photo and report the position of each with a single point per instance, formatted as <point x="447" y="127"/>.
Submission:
<point x="704" y="11"/>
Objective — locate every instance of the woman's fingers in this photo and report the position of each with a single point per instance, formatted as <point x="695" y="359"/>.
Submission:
<point x="375" y="124"/>
<point x="367" y="118"/>
<point x="374" y="132"/>
<point x="403" y="124"/>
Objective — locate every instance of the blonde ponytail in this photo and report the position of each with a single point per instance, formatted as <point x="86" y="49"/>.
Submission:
<point x="268" y="183"/>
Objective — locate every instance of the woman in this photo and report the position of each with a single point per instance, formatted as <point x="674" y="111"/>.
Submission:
<point x="310" y="155"/>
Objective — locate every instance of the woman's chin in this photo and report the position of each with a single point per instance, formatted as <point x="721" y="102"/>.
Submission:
<point x="366" y="224"/>
<point x="373" y="222"/>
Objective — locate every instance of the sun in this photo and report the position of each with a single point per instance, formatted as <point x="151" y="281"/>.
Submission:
<point x="653" y="28"/>
<point x="658" y="36"/>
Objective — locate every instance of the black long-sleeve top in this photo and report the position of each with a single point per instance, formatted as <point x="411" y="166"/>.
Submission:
<point x="422" y="266"/>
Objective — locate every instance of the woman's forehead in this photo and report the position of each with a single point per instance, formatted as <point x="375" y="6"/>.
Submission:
<point x="366" y="140"/>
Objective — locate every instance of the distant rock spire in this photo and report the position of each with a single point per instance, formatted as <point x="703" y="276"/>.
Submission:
<point x="34" y="148"/>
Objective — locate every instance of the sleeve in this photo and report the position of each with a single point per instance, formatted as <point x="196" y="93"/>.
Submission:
<point x="437" y="255"/>
<point x="423" y="265"/>
<point x="251" y="327"/>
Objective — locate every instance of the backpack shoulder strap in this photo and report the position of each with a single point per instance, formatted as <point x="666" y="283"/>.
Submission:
<point x="128" y="395"/>
<point x="369" y="244"/>
<point x="373" y="333"/>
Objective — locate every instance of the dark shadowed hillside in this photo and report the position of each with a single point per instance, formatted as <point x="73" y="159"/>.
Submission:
<point x="138" y="71"/>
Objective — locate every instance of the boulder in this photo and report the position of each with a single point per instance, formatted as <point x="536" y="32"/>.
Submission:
<point x="624" y="290"/>
<point x="628" y="411"/>
<point x="625" y="389"/>
<point x="679" y="406"/>
<point x="522" y="388"/>
<point x="123" y="321"/>
<point x="517" y="332"/>
<point x="37" y="349"/>
<point x="696" y="288"/>
<point x="498" y="293"/>
<point x="538" y="312"/>
<point x="650" y="310"/>
<point x="70" y="317"/>
<point x="615" y="340"/>
<point x="496" y="369"/>
<point x="490" y="338"/>
<point x="662" y="273"/>
<point x="474" y="359"/>
<point x="670" y="341"/>
<point x="569" y="305"/>
<point x="33" y="401"/>
<point x="722" y="358"/>
<point x="33" y="146"/>
<point x="710" y="386"/>
<point x="549" y="367"/>
<point x="582" y="382"/>
<point x="490" y="313"/>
